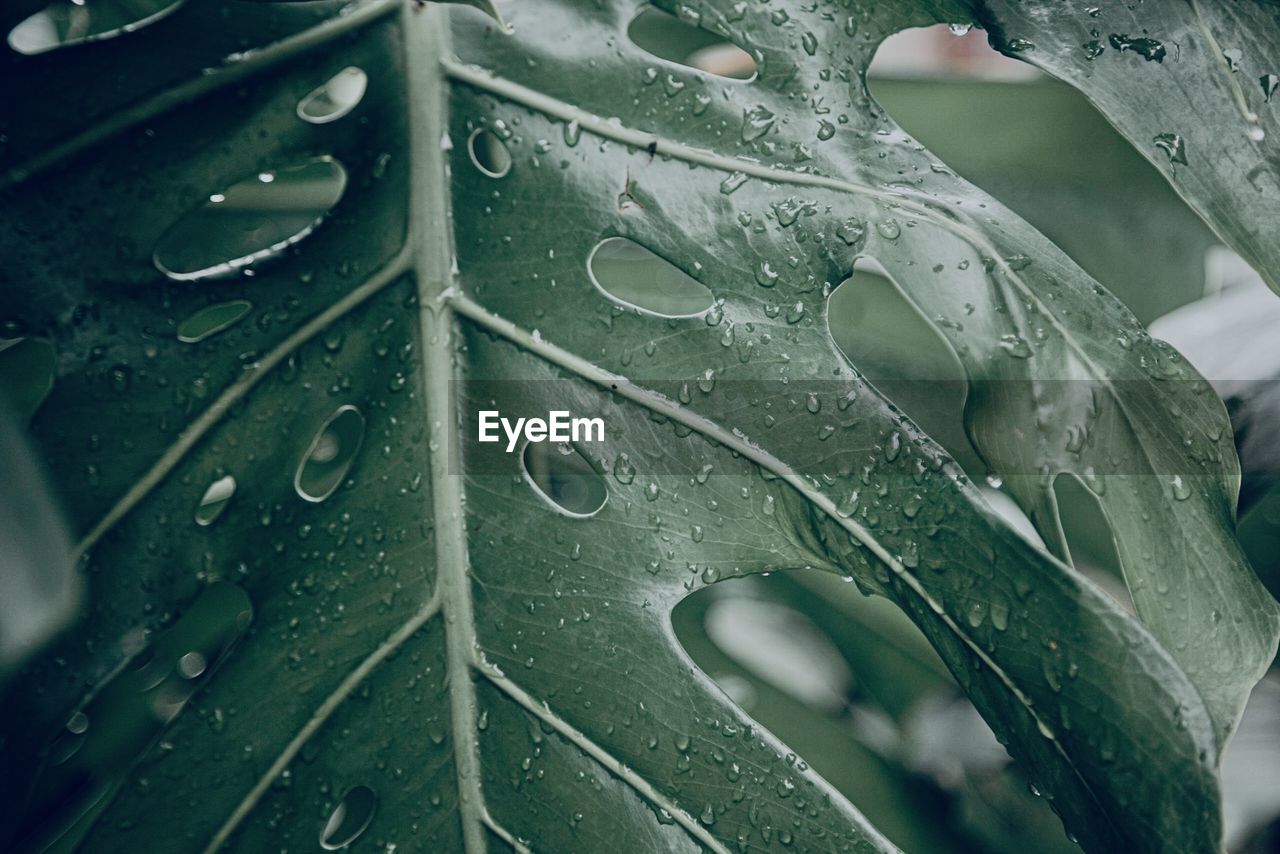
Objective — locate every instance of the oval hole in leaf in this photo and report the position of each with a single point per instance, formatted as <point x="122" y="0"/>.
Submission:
<point x="215" y="500"/>
<point x="488" y="153"/>
<point x="330" y="455"/>
<point x="336" y="97"/>
<point x="565" y="478"/>
<point x="26" y="374"/>
<point x="783" y="647"/>
<point x="882" y="333"/>
<point x="349" y="818"/>
<point x="251" y="220"/>
<point x="210" y="321"/>
<point x="667" y="37"/>
<point x="631" y="275"/>
<point x="64" y="23"/>
<point x="1089" y="537"/>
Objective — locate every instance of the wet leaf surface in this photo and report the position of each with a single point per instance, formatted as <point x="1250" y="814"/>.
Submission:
<point x="454" y="645"/>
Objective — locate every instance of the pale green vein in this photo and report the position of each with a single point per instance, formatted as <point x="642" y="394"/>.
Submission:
<point x="322" y="714"/>
<point x="707" y="428"/>
<point x="576" y="737"/>
<point x="213" y="79"/>
<point x="235" y="392"/>
<point x="1220" y="62"/>
<point x="505" y="835"/>
<point x="430" y="238"/>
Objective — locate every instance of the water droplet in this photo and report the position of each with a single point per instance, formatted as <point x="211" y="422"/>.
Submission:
<point x="215" y="500"/>
<point x="1181" y="490"/>
<point x="1149" y="49"/>
<point x="889" y="229"/>
<point x="210" y="321"/>
<point x="999" y="614"/>
<point x="334" y="98"/>
<point x="631" y="275"/>
<point x="251" y="220"/>
<point x="732" y="183"/>
<point x="765" y="275"/>
<point x="572" y="133"/>
<point x="1173" y="146"/>
<point x="331" y="454"/>
<point x="1269" y="84"/>
<point x="565" y="478"/>
<point x="1016" y="346"/>
<point x="349" y="818"/>
<point x="191" y="665"/>
<point x="756" y="122"/>
<point x="788" y="210"/>
<point x="851" y="231"/>
<point x="623" y="471"/>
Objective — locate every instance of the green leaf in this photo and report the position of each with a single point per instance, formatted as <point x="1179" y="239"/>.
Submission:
<point x="437" y="657"/>
<point x="1192" y="85"/>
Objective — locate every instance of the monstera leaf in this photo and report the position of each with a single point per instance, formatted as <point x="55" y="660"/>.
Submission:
<point x="287" y="254"/>
<point x="1191" y="85"/>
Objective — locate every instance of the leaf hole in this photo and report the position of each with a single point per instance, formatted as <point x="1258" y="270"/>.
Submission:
<point x="667" y="37"/>
<point x="215" y="500"/>
<point x="64" y="23"/>
<point x="330" y="455"/>
<point x="944" y="50"/>
<point x="1090" y="539"/>
<point x="890" y="342"/>
<point x="211" y="320"/>
<point x="564" y="478"/>
<point x="349" y="818"/>
<point x="334" y="98"/>
<point x="252" y="220"/>
<point x="633" y="276"/>
<point x="489" y="153"/>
